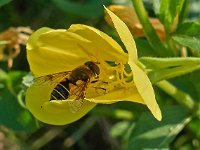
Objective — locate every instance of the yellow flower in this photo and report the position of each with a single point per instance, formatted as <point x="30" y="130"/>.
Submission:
<point x="52" y="51"/>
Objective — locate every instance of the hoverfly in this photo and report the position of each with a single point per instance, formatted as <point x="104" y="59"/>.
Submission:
<point x="71" y="84"/>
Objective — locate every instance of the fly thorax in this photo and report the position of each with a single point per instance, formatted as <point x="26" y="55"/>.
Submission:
<point x="82" y="73"/>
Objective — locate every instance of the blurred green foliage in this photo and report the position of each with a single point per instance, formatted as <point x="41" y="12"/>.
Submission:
<point x="3" y="2"/>
<point x="170" y="126"/>
<point x="11" y="113"/>
<point x="122" y="125"/>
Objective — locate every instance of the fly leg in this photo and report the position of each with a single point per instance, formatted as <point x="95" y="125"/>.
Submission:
<point x="100" y="89"/>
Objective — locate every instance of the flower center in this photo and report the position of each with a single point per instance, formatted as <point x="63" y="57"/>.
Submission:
<point x="116" y="77"/>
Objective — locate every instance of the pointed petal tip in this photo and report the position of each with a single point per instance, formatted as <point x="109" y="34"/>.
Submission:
<point x="157" y="114"/>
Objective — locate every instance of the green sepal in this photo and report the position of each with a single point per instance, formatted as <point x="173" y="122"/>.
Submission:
<point x="164" y="68"/>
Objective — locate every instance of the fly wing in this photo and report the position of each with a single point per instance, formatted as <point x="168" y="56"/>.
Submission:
<point x="51" y="79"/>
<point x="78" y="91"/>
<point x="77" y="94"/>
<point x="76" y="105"/>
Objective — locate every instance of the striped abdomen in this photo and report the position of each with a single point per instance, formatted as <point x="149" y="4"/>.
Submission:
<point x="61" y="91"/>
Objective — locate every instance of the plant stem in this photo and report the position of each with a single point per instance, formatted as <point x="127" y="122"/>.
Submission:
<point x="149" y="31"/>
<point x="180" y="96"/>
<point x="47" y="137"/>
<point x="80" y="132"/>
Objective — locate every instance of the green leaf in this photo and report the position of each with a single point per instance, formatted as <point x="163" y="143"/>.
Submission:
<point x="189" y="28"/>
<point x="3" y="2"/>
<point x="169" y="9"/>
<point x="189" y="83"/>
<point x="162" y="63"/>
<point x="194" y="127"/>
<point x="120" y="128"/>
<point x="192" y="42"/>
<point x="90" y="9"/>
<point x="158" y="135"/>
<point x="12" y="114"/>
<point x="165" y="68"/>
<point x="158" y="75"/>
<point x="195" y="82"/>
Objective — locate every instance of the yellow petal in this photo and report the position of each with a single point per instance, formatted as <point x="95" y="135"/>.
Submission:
<point x="102" y="46"/>
<point x="145" y="89"/>
<point x="141" y="80"/>
<point x="125" y="36"/>
<point x="54" y="112"/>
<point x="55" y="51"/>
<point x="122" y="94"/>
<point x="31" y="43"/>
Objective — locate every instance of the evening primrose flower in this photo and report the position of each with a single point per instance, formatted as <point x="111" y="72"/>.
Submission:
<point x="52" y="51"/>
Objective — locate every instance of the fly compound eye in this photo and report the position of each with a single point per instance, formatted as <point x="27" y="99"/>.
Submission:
<point x="93" y="66"/>
<point x="97" y="70"/>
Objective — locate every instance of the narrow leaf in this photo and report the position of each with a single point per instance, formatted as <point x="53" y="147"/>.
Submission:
<point x="189" y="28"/>
<point x="165" y="68"/>
<point x="169" y="9"/>
<point x="163" y="74"/>
<point x="192" y="42"/>
<point x="158" y="135"/>
<point x="154" y="63"/>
